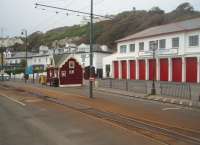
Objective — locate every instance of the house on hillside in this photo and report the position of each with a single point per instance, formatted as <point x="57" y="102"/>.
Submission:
<point x="177" y="54"/>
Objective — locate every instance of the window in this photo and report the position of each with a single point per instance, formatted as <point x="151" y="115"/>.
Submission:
<point x="153" y="45"/>
<point x="132" y="47"/>
<point x="194" y="40"/>
<point x="162" y="43"/>
<point x="107" y="70"/>
<point x="123" y="49"/>
<point x="141" y="46"/>
<point x="175" y="42"/>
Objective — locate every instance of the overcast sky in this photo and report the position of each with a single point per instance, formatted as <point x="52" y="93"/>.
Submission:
<point x="16" y="15"/>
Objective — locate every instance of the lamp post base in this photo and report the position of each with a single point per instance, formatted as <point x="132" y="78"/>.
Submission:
<point x="153" y="91"/>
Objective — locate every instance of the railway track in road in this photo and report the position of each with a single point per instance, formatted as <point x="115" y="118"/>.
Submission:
<point x="162" y="133"/>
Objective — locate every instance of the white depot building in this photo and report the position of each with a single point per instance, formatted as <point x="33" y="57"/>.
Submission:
<point x="177" y="54"/>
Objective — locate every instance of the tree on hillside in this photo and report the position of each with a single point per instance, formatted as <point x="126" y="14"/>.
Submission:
<point x="156" y="10"/>
<point x="185" y="7"/>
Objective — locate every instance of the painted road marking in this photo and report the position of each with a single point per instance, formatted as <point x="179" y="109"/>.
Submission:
<point x="14" y="100"/>
<point x="175" y="108"/>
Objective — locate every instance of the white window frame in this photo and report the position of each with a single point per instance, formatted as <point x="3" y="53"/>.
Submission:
<point x="140" y="47"/>
<point x="130" y="47"/>
<point x="189" y="43"/>
<point x="172" y="41"/>
<point x="123" y="49"/>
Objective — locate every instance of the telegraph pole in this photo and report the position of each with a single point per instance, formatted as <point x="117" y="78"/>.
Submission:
<point x="24" y="32"/>
<point x="2" y="61"/>
<point x="153" y="89"/>
<point x="91" y="50"/>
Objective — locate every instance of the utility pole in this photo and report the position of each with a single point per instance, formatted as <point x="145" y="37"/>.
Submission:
<point x="91" y="50"/>
<point x="2" y="61"/>
<point x="24" y="32"/>
<point x="153" y="89"/>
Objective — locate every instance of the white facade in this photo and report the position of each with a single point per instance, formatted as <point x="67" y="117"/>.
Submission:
<point x="41" y="58"/>
<point x="84" y="59"/>
<point x="183" y="51"/>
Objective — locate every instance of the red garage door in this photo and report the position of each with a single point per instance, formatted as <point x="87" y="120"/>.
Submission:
<point x="176" y="69"/>
<point x="164" y="69"/>
<point x="191" y="70"/>
<point x="132" y="69"/>
<point x="152" y="69"/>
<point x="142" y="70"/>
<point x="116" y="70"/>
<point x="124" y="69"/>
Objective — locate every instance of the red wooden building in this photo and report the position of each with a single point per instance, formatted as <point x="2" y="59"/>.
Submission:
<point x="65" y="71"/>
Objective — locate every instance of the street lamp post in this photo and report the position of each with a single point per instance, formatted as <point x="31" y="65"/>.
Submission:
<point x="2" y="66"/>
<point x="2" y="59"/>
<point x="24" y="32"/>
<point x="153" y="89"/>
<point x="91" y="49"/>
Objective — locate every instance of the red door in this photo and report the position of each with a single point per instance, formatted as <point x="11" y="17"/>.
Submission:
<point x="116" y="70"/>
<point x="124" y="69"/>
<point x="191" y="70"/>
<point x="132" y="69"/>
<point x="164" y="69"/>
<point x="142" y="70"/>
<point x="152" y="69"/>
<point x="176" y="69"/>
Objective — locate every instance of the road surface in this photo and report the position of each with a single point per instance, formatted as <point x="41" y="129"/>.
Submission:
<point x="44" y="123"/>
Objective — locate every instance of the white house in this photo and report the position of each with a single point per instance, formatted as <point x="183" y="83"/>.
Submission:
<point x="177" y="54"/>
<point x="43" y="58"/>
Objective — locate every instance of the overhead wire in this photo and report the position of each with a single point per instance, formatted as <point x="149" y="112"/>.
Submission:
<point x="68" y="12"/>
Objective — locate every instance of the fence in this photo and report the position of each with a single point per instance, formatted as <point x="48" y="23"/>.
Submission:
<point x="126" y="85"/>
<point x="170" y="89"/>
<point x="179" y="90"/>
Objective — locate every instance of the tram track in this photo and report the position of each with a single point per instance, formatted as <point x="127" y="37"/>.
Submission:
<point x="165" y="134"/>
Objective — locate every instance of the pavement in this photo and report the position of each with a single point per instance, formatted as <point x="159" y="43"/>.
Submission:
<point x="164" y="99"/>
<point x="145" y="109"/>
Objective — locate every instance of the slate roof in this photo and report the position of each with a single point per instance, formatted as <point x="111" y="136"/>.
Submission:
<point x="181" y="26"/>
<point x="59" y="58"/>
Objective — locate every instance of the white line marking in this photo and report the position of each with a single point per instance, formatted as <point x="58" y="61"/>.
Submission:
<point x="14" y="100"/>
<point x="165" y="109"/>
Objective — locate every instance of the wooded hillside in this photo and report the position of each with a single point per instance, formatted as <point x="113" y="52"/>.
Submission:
<point x="123" y="24"/>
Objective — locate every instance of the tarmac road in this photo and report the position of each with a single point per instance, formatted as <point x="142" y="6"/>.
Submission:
<point x="44" y="123"/>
